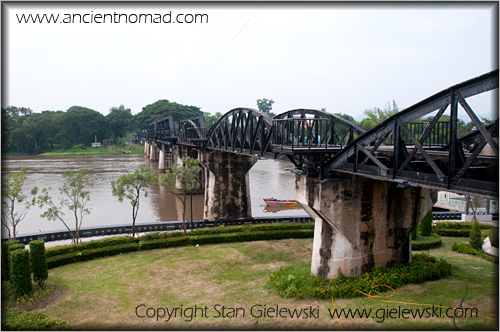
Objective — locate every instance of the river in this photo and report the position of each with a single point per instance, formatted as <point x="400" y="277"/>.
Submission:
<point x="267" y="179"/>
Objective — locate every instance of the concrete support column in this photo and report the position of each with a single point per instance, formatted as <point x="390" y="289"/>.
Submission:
<point x="146" y="148"/>
<point x="360" y="223"/>
<point x="227" y="187"/>
<point x="152" y="151"/>
<point x="161" y="164"/>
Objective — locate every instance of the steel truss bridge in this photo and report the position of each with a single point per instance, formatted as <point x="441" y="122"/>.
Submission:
<point x="401" y="149"/>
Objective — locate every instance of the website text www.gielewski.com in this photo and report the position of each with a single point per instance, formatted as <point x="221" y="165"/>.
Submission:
<point x="114" y="18"/>
<point x="188" y="313"/>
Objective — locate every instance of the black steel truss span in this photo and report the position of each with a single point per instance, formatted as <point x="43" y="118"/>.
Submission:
<point x="462" y="165"/>
<point x="241" y="130"/>
<point x="163" y="130"/>
<point x="192" y="132"/>
<point x="310" y="138"/>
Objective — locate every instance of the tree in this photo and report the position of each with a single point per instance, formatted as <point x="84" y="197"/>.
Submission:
<point x="120" y="120"/>
<point x="475" y="238"/>
<point x="377" y="115"/>
<point x="84" y="124"/>
<point x="266" y="105"/>
<point x="130" y="185"/>
<point x="187" y="178"/>
<point x="210" y="119"/>
<point x="163" y="108"/>
<point x="12" y="193"/>
<point x="75" y="198"/>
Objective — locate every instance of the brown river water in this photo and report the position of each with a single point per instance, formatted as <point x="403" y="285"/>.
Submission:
<point x="267" y="179"/>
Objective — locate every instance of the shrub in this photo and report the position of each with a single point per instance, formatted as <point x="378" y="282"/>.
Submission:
<point x="494" y="237"/>
<point x="20" y="272"/>
<point x="94" y="244"/>
<point x="459" y="225"/>
<point x="38" y="261"/>
<point x="298" y="282"/>
<point x="18" y="320"/>
<point x="89" y="254"/>
<point x="463" y="248"/>
<point x="426" y="242"/>
<point x="426" y="224"/>
<point x="414" y="234"/>
<point x="475" y="238"/>
<point x="6" y="258"/>
<point x="13" y="247"/>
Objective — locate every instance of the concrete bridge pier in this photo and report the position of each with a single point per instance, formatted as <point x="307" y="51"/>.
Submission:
<point x="146" y="148"/>
<point x="227" y="186"/>
<point x="360" y="223"/>
<point x="161" y="158"/>
<point x="152" y="150"/>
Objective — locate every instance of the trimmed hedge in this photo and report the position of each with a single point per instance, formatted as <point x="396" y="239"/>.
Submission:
<point x="297" y="282"/>
<point x="20" y="276"/>
<point x="229" y="229"/>
<point x="38" y="261"/>
<point x="94" y="244"/>
<point x="89" y="254"/>
<point x="18" y="320"/>
<point x="457" y="229"/>
<point x="6" y="258"/>
<point x="176" y="241"/>
<point x="426" y="224"/>
<point x="475" y="238"/>
<point x="494" y="237"/>
<point x="226" y="238"/>
<point x="119" y="240"/>
<point x="463" y="248"/>
<point x="426" y="242"/>
<point x="13" y="247"/>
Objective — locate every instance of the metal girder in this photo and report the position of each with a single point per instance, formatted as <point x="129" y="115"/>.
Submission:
<point x="241" y="130"/>
<point x="192" y="131"/>
<point x="460" y="171"/>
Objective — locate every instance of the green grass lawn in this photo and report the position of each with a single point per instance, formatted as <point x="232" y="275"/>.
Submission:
<point x="104" y="293"/>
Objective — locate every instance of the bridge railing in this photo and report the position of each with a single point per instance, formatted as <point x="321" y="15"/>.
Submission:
<point x="309" y="133"/>
<point x="438" y="136"/>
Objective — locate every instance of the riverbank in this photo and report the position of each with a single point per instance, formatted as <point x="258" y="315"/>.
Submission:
<point x="82" y="150"/>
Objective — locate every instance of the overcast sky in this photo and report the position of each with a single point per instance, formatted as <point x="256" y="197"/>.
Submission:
<point x="345" y="58"/>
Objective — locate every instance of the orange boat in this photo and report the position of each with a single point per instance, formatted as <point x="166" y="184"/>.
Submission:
<point x="284" y="203"/>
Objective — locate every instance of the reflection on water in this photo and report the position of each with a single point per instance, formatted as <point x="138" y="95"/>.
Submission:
<point x="267" y="179"/>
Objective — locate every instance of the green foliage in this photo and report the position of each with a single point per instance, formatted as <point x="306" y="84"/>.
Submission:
<point x="12" y="193"/>
<point x="38" y="261"/>
<point x="294" y="281"/>
<point x="130" y="185"/>
<point x="210" y="119"/>
<point x="456" y="229"/>
<point x="163" y="108"/>
<point x="494" y="237"/>
<point x="20" y="276"/>
<point x="75" y="196"/>
<point x="475" y="238"/>
<point x="121" y="120"/>
<point x="463" y="248"/>
<point x="84" y="124"/>
<point x="265" y="106"/>
<point x="93" y="244"/>
<point x="6" y="258"/>
<point x="426" y="224"/>
<point x="67" y="254"/>
<point x="18" y="320"/>
<point x="426" y="242"/>
<point x="226" y="238"/>
<point x="187" y="176"/>
<point x="377" y="115"/>
<point x="414" y="234"/>
<point x="88" y="254"/>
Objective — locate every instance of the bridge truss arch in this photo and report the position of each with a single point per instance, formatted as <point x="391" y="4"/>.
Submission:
<point x="310" y="138"/>
<point x="243" y="131"/>
<point x="192" y="131"/>
<point x="391" y="151"/>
